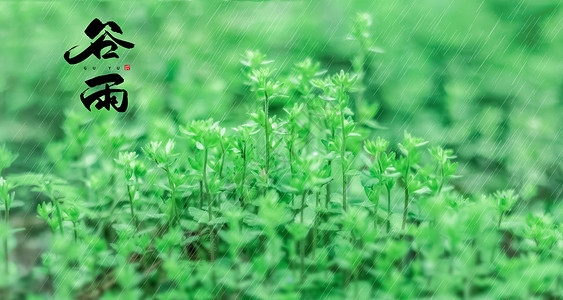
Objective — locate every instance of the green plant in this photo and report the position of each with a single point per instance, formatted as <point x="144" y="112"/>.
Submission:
<point x="6" y="200"/>
<point x="266" y="90"/>
<point x="405" y="165"/>
<point x="504" y="201"/>
<point x="251" y="212"/>
<point x="243" y="146"/>
<point x="165" y="159"/>
<point x="132" y="169"/>
<point x="360" y="33"/>
<point x="445" y="169"/>
<point x="48" y="186"/>
<point x="381" y="174"/>
<point x="230" y="229"/>
<point x="337" y="88"/>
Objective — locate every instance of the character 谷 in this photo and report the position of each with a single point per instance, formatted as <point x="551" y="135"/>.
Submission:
<point x="103" y="41"/>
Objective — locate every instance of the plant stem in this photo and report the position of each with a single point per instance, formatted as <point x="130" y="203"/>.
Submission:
<point x="267" y="131"/>
<point x="212" y="255"/>
<point x="406" y="180"/>
<point x="212" y="249"/>
<point x="204" y="175"/>
<point x="131" y="207"/>
<point x="59" y="216"/>
<point x="200" y="194"/>
<point x="317" y="203"/>
<point x="75" y="232"/>
<point x="441" y="179"/>
<point x="375" y="208"/>
<point x="174" y="208"/>
<point x="500" y="219"/>
<point x="6" y="255"/>
<point x="302" y="254"/>
<point x="291" y="167"/>
<point x="302" y="243"/>
<point x="222" y="157"/>
<point x="327" y="196"/>
<point x="209" y="206"/>
<point x="243" y="176"/>
<point x="327" y="199"/>
<point x="290" y="150"/>
<point x="57" y="208"/>
<point x="388" y="209"/>
<point x="406" y="206"/>
<point x="302" y="205"/>
<point x="309" y="127"/>
<point x="343" y="158"/>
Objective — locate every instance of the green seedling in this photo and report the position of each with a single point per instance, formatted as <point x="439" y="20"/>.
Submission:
<point x="405" y="165"/>
<point x="165" y="159"/>
<point x="504" y="201"/>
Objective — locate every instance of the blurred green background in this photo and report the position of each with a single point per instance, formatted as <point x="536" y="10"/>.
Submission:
<point x="482" y="77"/>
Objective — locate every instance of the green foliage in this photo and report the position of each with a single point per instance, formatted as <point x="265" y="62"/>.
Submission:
<point x="504" y="202"/>
<point x="309" y="197"/>
<point x="6" y="158"/>
<point x="226" y="227"/>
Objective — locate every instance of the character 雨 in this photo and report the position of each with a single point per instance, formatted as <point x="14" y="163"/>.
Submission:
<point x="105" y="97"/>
